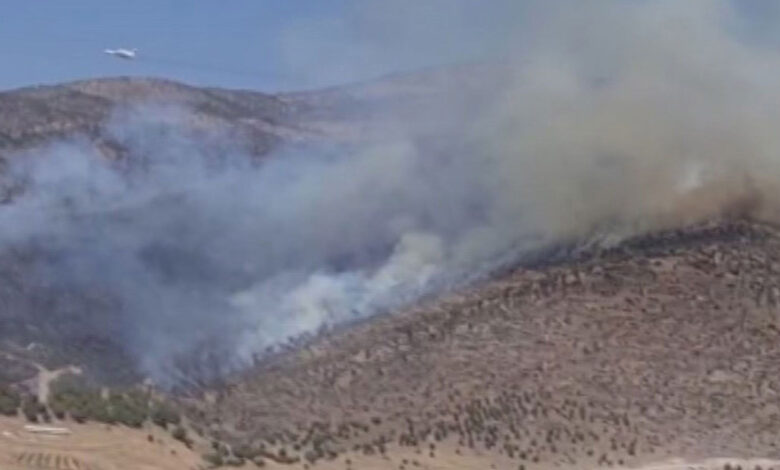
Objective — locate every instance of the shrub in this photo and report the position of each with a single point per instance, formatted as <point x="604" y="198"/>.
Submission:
<point x="180" y="434"/>
<point x="128" y="409"/>
<point x="9" y="401"/>
<point x="213" y="459"/>
<point x="72" y="394"/>
<point x="246" y="452"/>
<point x="58" y="409"/>
<point x="163" y="414"/>
<point x="234" y="461"/>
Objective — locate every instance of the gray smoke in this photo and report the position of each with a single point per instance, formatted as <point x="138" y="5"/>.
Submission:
<point x="611" y="119"/>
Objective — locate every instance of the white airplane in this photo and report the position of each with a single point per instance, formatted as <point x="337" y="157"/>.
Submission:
<point x="127" y="54"/>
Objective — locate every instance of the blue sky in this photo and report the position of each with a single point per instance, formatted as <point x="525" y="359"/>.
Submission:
<point x="215" y="42"/>
<point x="259" y="44"/>
<point x="266" y="44"/>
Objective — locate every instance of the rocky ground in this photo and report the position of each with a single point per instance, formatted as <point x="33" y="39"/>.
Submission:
<point x="665" y="346"/>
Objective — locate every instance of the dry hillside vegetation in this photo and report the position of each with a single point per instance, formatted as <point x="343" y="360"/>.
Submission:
<point x="39" y="115"/>
<point x="664" y="346"/>
<point x="34" y="116"/>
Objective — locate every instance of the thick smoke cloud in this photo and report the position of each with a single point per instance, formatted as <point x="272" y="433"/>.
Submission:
<point x="613" y="118"/>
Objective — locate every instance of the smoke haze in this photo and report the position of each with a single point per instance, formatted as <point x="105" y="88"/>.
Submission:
<point x="611" y="118"/>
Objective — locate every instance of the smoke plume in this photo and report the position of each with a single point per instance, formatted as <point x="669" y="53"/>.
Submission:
<point x="605" y="119"/>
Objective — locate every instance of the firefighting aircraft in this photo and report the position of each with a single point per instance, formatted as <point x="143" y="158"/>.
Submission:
<point x="127" y="54"/>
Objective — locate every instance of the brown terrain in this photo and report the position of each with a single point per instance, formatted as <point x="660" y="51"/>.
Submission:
<point x="92" y="447"/>
<point x="37" y="115"/>
<point x="38" y="322"/>
<point x="663" y="347"/>
<point x="660" y="352"/>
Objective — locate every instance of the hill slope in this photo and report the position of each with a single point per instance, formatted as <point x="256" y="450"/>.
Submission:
<point x="39" y="115"/>
<point x="660" y="349"/>
<point x="664" y="346"/>
<point x="43" y="325"/>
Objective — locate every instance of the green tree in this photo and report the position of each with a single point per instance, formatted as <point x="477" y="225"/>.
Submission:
<point x="72" y="394"/>
<point x="129" y="409"/>
<point x="10" y="401"/>
<point x="163" y="414"/>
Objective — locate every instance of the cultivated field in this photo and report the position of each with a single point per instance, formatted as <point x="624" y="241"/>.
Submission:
<point x="92" y="447"/>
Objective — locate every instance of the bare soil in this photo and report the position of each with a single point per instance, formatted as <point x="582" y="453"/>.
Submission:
<point x="92" y="447"/>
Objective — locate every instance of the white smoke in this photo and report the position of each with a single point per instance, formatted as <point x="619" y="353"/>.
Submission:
<point x="615" y="117"/>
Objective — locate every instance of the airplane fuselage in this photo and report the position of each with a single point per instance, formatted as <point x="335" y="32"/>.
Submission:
<point x="122" y="53"/>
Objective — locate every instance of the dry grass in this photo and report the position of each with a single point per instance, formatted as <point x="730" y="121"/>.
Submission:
<point x="92" y="447"/>
<point x="664" y="347"/>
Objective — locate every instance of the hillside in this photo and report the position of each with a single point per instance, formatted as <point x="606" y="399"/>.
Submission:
<point x="48" y="325"/>
<point x="42" y="326"/>
<point x="38" y="115"/>
<point x="657" y="353"/>
<point x="663" y="347"/>
<point x="33" y="116"/>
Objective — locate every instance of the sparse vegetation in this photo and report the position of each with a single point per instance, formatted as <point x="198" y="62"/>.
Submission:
<point x="128" y="408"/>
<point x="525" y="403"/>
<point x="180" y="434"/>
<point x="163" y="414"/>
<point x="247" y="452"/>
<point x="498" y="409"/>
<point x="72" y="395"/>
<point x="214" y="459"/>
